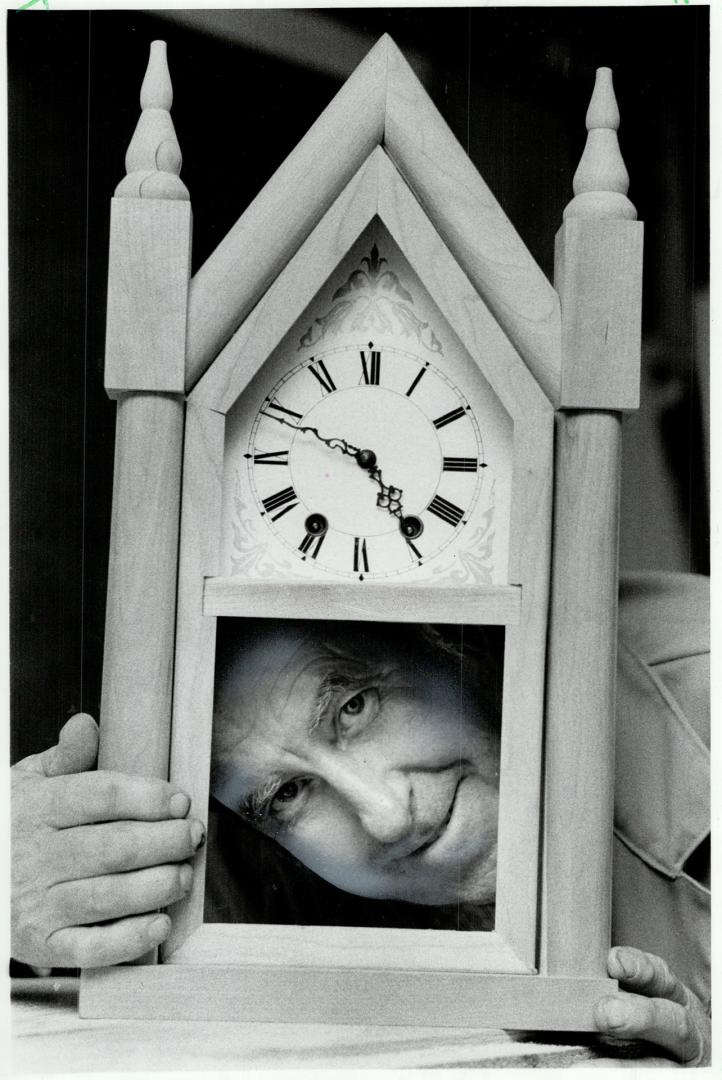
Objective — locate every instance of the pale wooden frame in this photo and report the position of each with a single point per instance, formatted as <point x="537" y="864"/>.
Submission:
<point x="324" y="957"/>
<point x="381" y="103"/>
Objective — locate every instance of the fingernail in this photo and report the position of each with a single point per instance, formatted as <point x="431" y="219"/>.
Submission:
<point x="186" y="877"/>
<point x="198" y="835"/>
<point x="180" y="804"/>
<point x="629" y="961"/>
<point x="158" y="929"/>
<point x="616" y="1012"/>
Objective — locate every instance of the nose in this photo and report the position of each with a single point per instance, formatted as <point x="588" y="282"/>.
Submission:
<point x="381" y="799"/>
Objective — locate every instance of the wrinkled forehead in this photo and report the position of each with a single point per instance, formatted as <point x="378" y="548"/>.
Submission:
<point x="262" y="666"/>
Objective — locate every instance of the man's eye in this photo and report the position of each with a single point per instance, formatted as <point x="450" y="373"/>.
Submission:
<point x="359" y="710"/>
<point x="288" y="798"/>
<point x="355" y="705"/>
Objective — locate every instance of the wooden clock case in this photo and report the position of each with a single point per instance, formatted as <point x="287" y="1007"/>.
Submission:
<point x="564" y="364"/>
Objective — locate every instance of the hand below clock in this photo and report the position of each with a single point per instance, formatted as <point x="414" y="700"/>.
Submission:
<point x="388" y="498"/>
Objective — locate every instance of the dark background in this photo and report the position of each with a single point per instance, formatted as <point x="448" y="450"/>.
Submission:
<point x="513" y="84"/>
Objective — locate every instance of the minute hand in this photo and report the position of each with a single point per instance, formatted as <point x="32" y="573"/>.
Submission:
<point x="388" y="498"/>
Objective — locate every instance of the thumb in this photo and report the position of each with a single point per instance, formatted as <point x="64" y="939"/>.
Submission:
<point x="76" y="750"/>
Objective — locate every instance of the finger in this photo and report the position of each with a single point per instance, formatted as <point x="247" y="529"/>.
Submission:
<point x="115" y="943"/>
<point x="77" y="748"/>
<point x="76" y="751"/>
<point x="95" y="850"/>
<point x="110" y="796"/>
<point x="657" y="1020"/>
<point x="644" y="973"/>
<point x="113" y="896"/>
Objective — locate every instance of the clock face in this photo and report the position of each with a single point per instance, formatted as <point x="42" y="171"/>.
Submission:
<point x="365" y="461"/>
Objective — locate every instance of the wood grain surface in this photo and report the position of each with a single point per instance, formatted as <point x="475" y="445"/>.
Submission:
<point x="349" y="946"/>
<point x="366" y="602"/>
<point x="148" y="276"/>
<point x="343" y="996"/>
<point x="135" y="710"/>
<point x="581" y="702"/>
<point x="598" y="273"/>
<point x="190" y="750"/>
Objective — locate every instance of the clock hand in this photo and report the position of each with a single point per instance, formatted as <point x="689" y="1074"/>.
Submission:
<point x="388" y="498"/>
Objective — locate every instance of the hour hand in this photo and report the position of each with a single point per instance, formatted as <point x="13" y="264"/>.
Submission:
<point x="389" y="497"/>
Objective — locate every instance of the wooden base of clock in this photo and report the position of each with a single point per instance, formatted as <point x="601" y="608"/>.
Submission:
<point x="343" y="996"/>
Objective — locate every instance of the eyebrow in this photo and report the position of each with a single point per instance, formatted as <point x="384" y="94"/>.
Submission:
<point x="255" y="804"/>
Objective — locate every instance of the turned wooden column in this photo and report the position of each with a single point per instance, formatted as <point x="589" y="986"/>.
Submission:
<point x="149" y="269"/>
<point x="598" y="275"/>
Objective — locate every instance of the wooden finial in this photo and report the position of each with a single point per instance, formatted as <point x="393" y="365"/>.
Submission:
<point x="153" y="161"/>
<point x="601" y="181"/>
<point x="157" y="90"/>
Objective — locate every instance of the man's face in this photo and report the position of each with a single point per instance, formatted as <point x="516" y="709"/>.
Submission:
<point x="365" y="760"/>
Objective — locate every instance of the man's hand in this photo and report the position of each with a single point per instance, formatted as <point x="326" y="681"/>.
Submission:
<point x="94" y="854"/>
<point x="657" y="1007"/>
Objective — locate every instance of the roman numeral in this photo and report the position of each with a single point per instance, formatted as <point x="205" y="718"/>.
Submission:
<point x="449" y="417"/>
<point x="285" y="499"/>
<point x="461" y="464"/>
<point x="416" y="382"/>
<point x="445" y="510"/>
<point x="281" y="408"/>
<point x="318" y="368"/>
<point x="413" y="548"/>
<point x="371" y="368"/>
<point x="305" y="545"/>
<point x="271" y="457"/>
<point x="360" y="556"/>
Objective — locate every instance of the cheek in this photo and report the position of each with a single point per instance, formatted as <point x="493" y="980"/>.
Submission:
<point x="430" y="720"/>
<point x="330" y="841"/>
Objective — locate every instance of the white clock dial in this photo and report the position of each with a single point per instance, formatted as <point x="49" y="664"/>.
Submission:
<point x="372" y="514"/>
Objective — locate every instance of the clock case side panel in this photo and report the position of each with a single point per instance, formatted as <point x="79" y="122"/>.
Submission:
<point x="191" y="731"/>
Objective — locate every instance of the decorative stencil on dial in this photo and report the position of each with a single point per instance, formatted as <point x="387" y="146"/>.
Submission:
<point x="369" y="446"/>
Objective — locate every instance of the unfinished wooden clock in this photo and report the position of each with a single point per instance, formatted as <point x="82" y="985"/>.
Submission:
<point x="369" y="405"/>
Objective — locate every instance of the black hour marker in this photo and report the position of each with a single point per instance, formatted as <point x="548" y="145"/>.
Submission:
<point x="271" y="457"/>
<point x="416" y="382"/>
<point x="445" y="510"/>
<point x="449" y="417"/>
<point x="371" y="367"/>
<point x="318" y="368"/>
<point x="360" y="556"/>
<point x="281" y="408"/>
<point x="461" y="464"/>
<point x="286" y="499"/>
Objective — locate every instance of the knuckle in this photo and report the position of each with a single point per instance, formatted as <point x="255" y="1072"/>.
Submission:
<point x="664" y="977"/>
<point x="29" y="935"/>
<point x="101" y="897"/>
<point x="684" y="1030"/>
<point x="64" y="951"/>
<point x="109" y="796"/>
<point x="125" y="850"/>
<point x="182" y="876"/>
<point x="83" y="955"/>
